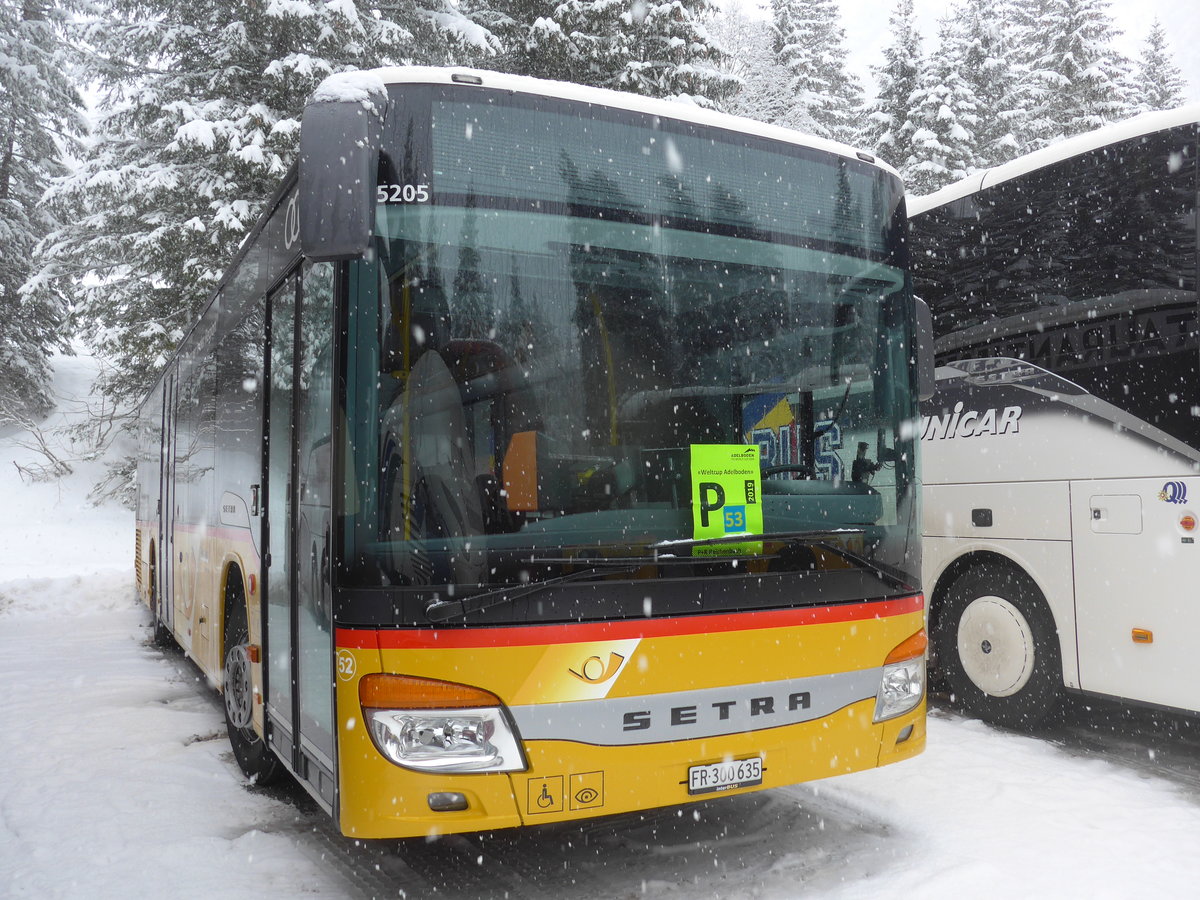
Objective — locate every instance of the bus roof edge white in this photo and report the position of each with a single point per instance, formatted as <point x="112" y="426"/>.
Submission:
<point x="669" y="109"/>
<point x="1146" y="123"/>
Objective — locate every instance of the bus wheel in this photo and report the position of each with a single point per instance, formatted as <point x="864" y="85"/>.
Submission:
<point x="997" y="647"/>
<point x="162" y="634"/>
<point x="254" y="757"/>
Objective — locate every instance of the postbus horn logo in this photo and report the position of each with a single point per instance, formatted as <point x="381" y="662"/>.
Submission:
<point x="1173" y="492"/>
<point x="595" y="671"/>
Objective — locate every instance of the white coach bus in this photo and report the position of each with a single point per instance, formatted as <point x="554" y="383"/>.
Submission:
<point x="1062" y="448"/>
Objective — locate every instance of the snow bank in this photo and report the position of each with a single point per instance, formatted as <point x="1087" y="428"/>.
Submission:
<point x="117" y="778"/>
<point x="986" y="813"/>
<point x="50" y="528"/>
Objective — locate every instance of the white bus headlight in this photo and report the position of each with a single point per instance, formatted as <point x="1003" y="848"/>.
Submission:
<point x="902" y="685"/>
<point x="438" y="726"/>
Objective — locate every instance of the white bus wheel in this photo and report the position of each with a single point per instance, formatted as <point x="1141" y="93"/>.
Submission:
<point x="997" y="647"/>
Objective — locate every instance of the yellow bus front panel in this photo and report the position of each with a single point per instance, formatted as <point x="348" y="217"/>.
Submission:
<point x="612" y="716"/>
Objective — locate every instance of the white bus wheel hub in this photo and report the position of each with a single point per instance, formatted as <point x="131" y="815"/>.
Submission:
<point x="239" y="697"/>
<point x="996" y="646"/>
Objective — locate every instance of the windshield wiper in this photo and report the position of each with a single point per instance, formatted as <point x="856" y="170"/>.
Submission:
<point x="749" y="538"/>
<point x="441" y="610"/>
<point x="662" y="555"/>
<point x="822" y="538"/>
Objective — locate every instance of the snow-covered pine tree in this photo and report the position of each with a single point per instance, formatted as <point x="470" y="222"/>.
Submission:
<point x="472" y="307"/>
<point x="198" y="122"/>
<point x="888" y="126"/>
<point x="811" y="45"/>
<point x="945" y="113"/>
<point x="748" y="55"/>
<point x="1156" y="82"/>
<point x="40" y="117"/>
<point x="1075" y="74"/>
<point x="579" y="41"/>
<point x="657" y="48"/>
<point x="979" y="47"/>
<point x="667" y="52"/>
<point x="531" y="41"/>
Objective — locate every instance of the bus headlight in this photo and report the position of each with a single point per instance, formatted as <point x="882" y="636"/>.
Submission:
<point x="902" y="685"/>
<point x="438" y="726"/>
<point x="446" y="740"/>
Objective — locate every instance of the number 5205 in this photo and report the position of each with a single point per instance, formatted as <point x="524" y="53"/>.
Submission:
<point x="402" y="193"/>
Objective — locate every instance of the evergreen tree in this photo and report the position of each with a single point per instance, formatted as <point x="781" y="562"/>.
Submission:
<point x="531" y="42"/>
<point x="199" y="120"/>
<point x="749" y="56"/>
<point x="1074" y="73"/>
<point x="657" y="48"/>
<point x="979" y="46"/>
<point x="810" y="45"/>
<point x="40" y="114"/>
<point x="1157" y="82"/>
<point x="471" y="302"/>
<point x="945" y="113"/>
<point x="889" y="126"/>
<point x="667" y="52"/>
<point x="521" y="325"/>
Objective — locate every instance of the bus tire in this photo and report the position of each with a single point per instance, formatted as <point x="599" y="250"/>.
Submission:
<point x="253" y="756"/>
<point x="997" y="647"/>
<point x="162" y="634"/>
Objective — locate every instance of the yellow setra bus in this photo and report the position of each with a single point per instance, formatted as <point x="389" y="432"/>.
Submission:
<point x="547" y="453"/>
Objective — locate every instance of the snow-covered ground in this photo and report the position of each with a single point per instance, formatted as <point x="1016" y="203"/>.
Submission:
<point x="116" y="780"/>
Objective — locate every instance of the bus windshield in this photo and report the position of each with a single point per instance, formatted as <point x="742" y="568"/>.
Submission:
<point x="568" y="307"/>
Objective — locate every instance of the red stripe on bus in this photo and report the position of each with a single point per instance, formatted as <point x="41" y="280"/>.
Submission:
<point x="623" y="629"/>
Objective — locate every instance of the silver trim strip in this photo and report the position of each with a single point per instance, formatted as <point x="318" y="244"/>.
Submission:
<point x="687" y="715"/>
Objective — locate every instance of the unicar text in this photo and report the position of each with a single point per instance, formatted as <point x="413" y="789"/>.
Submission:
<point x="961" y="422"/>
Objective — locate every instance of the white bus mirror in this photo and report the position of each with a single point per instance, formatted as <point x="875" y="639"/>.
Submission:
<point x="340" y="136"/>
<point x="926" y="381"/>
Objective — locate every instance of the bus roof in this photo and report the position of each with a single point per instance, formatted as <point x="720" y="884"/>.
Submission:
<point x="680" y="109"/>
<point x="1147" y="123"/>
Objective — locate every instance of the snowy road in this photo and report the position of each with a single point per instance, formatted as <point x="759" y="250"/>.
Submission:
<point x="117" y="781"/>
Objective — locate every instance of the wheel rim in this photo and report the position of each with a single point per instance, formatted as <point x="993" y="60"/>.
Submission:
<point x="996" y="646"/>
<point x="238" y="692"/>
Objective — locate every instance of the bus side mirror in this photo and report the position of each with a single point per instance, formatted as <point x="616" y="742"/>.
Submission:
<point x="926" y="380"/>
<point x="340" y="136"/>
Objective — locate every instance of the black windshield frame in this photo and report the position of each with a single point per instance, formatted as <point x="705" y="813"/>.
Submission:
<point x="414" y="164"/>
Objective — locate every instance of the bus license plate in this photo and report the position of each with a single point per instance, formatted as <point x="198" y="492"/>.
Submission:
<point x="725" y="776"/>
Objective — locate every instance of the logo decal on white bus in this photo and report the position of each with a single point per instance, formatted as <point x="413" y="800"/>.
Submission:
<point x="971" y="423"/>
<point x="1173" y="492"/>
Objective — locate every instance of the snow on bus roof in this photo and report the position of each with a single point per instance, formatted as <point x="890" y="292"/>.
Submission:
<point x="682" y="109"/>
<point x="1146" y="123"/>
<point x="356" y="87"/>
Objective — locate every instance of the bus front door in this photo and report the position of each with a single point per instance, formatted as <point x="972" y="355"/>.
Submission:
<point x="299" y="609"/>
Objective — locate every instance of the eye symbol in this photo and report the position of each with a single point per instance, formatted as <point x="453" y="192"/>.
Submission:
<point x="587" y="795"/>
